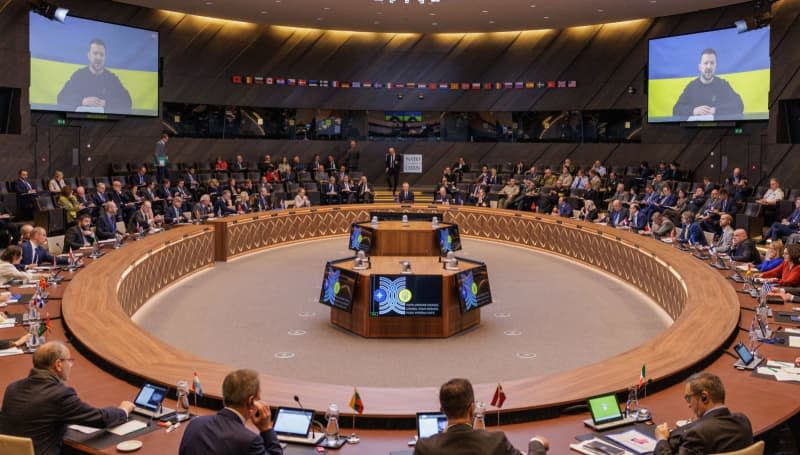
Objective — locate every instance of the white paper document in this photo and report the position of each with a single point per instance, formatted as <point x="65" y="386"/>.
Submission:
<point x="10" y="351"/>
<point x="634" y="440"/>
<point x="794" y="342"/>
<point x="84" y="429"/>
<point x="128" y="427"/>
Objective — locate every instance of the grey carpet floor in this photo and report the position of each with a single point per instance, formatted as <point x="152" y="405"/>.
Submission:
<point x="549" y="315"/>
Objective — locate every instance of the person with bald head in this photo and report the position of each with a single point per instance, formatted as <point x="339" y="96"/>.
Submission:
<point x="41" y="405"/>
<point x="744" y="249"/>
<point x="106" y="228"/>
<point x="35" y="252"/>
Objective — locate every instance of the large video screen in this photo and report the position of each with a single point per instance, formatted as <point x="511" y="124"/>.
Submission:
<point x="708" y="76"/>
<point x="338" y="288"/>
<point x="93" y="67"/>
<point x="473" y="288"/>
<point x="406" y="295"/>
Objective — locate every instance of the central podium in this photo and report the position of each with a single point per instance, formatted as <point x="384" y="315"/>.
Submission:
<point x="399" y="286"/>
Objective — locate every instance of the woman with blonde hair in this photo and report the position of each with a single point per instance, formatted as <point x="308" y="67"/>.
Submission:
<point x="68" y="202"/>
<point x="56" y="183"/>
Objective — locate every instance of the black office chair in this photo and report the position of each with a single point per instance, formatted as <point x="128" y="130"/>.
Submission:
<point x="752" y="220"/>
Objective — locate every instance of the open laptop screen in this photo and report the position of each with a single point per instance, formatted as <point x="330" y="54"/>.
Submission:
<point x="604" y="408"/>
<point x="430" y="423"/>
<point x="150" y="397"/>
<point x="293" y="421"/>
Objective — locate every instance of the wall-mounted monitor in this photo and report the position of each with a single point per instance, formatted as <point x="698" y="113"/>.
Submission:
<point x="93" y="67"/>
<point x="473" y="288"/>
<point x="406" y="295"/>
<point x="718" y="75"/>
<point x="338" y="287"/>
<point x="360" y="238"/>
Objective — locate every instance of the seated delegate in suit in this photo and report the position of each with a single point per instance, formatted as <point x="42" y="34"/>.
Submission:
<point x="457" y="401"/>
<point x="106" y="228"/>
<point x="744" y="249"/>
<point x="406" y="195"/>
<point x="788" y="273"/>
<point x="724" y="240"/>
<point x="144" y="219"/>
<point x="716" y="429"/>
<point x="80" y="235"/>
<point x="618" y="215"/>
<point x="637" y="220"/>
<point x="174" y="213"/>
<point x="34" y="251"/>
<point x="203" y="209"/>
<point x="41" y="405"/>
<point x="661" y="226"/>
<point x="225" y="432"/>
<point x="690" y="231"/>
<point x="224" y="205"/>
<point x="9" y="259"/>
<point x="787" y="226"/>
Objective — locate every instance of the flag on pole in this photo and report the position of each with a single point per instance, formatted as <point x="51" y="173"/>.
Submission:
<point x="355" y="402"/>
<point x="197" y="389"/>
<point x="71" y="256"/>
<point x="499" y="397"/>
<point x="48" y="325"/>
<point x="641" y="377"/>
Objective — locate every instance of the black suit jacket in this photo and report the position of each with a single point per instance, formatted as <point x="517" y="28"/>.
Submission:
<point x="717" y="431"/>
<point x="746" y="252"/>
<point x="21" y="187"/>
<point x="463" y="440"/>
<point x="41" y="406"/>
<point x="224" y="434"/>
<point x="617" y="218"/>
<point x="105" y="229"/>
<point x="406" y="196"/>
<point x="393" y="163"/>
<point x="137" y="180"/>
<point x="100" y="199"/>
<point x="74" y="239"/>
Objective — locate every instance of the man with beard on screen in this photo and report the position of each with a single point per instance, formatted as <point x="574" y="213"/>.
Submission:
<point x="708" y="95"/>
<point x="94" y="87"/>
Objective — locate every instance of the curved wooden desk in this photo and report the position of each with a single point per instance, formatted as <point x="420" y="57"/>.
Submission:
<point x="98" y="303"/>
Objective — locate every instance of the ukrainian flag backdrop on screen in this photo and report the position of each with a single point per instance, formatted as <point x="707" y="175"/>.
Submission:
<point x="742" y="61"/>
<point x="60" y="51"/>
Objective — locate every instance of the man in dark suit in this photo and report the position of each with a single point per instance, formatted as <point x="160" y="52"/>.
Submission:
<point x="785" y="227"/>
<point x="716" y="429"/>
<point x="352" y="156"/>
<point x="80" y="235"/>
<point x="364" y="191"/>
<point x="125" y="201"/>
<point x="406" y="195"/>
<point x="41" y="406"/>
<point x="34" y="251"/>
<point x="139" y="179"/>
<point x="618" y="214"/>
<point x="637" y="219"/>
<point x="744" y="249"/>
<point x="263" y="202"/>
<point x="330" y="191"/>
<point x="107" y="222"/>
<point x="164" y="191"/>
<point x="457" y="401"/>
<point x="26" y="195"/>
<point x="174" y="213"/>
<point x="225" y="432"/>
<point x="392" y="169"/>
<point x="100" y="197"/>
<point x="690" y="231"/>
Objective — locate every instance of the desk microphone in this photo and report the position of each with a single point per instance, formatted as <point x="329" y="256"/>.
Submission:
<point x="297" y="399"/>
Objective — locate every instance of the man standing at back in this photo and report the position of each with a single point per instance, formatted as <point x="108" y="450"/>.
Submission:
<point x="225" y="433"/>
<point x="716" y="429"/>
<point x="457" y="401"/>
<point x="161" y="159"/>
<point x="41" y="406"/>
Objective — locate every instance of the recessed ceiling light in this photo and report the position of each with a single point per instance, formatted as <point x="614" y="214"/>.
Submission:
<point x="532" y="6"/>
<point x="652" y="1"/>
<point x="277" y="1"/>
<point x="491" y="22"/>
<point x="379" y="13"/>
<point x="265" y="12"/>
<point x="209" y="3"/>
<point x="327" y="8"/>
<point x="319" y="18"/>
<point x="431" y="14"/>
<point x="485" y="11"/>
<point x="434" y="24"/>
<point x="546" y="17"/>
<point x="599" y="10"/>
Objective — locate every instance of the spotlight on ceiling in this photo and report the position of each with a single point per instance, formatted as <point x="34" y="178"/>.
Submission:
<point x="50" y="11"/>
<point x="762" y="16"/>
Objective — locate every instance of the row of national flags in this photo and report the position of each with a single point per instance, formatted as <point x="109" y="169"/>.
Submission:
<point x="324" y="83"/>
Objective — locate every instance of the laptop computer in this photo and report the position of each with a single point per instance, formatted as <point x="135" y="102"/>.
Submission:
<point x="430" y="423"/>
<point x="293" y="425"/>
<point x="148" y="401"/>
<point x="747" y="359"/>
<point x="606" y="413"/>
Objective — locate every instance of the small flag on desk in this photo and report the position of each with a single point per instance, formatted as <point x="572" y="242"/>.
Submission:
<point x="42" y="329"/>
<point x="499" y="397"/>
<point x="641" y="377"/>
<point x="355" y="402"/>
<point x="47" y="324"/>
<point x="197" y="389"/>
<point x="71" y="256"/>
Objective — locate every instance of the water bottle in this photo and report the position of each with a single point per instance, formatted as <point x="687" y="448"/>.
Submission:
<point x="480" y="416"/>
<point x="632" y="405"/>
<point x="435" y="222"/>
<point x="753" y="336"/>
<point x="374" y="221"/>
<point x="332" y="428"/>
<point x="182" y="401"/>
<point x="405" y="219"/>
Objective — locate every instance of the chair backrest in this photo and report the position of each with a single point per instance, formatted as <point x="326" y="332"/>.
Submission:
<point x="752" y="209"/>
<point x="709" y="237"/>
<point x="14" y="445"/>
<point x="756" y="449"/>
<point x="45" y="203"/>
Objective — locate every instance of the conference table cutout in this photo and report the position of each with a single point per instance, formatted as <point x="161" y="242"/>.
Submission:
<point x="98" y="301"/>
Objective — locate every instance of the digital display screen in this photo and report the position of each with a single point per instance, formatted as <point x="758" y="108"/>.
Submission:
<point x="406" y="295"/>
<point x="360" y="238"/>
<point x="429" y="424"/>
<point x="708" y="76"/>
<point x="449" y="239"/>
<point x="744" y="354"/>
<point x="93" y="67"/>
<point x="604" y="408"/>
<point x="473" y="288"/>
<point x="150" y="397"/>
<point x="403" y="116"/>
<point x="338" y="288"/>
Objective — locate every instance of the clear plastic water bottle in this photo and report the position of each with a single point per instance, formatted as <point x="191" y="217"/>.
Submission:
<point x="480" y="416"/>
<point x="632" y="405"/>
<point x="753" y="336"/>
<point x="405" y="219"/>
<point x="182" y="401"/>
<point x="332" y="428"/>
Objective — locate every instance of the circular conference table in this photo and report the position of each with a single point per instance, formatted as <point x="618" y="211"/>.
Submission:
<point x="98" y="301"/>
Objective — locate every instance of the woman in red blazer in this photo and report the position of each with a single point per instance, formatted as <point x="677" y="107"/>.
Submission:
<point x="788" y="274"/>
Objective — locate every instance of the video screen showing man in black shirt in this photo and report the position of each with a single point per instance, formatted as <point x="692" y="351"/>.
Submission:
<point x="708" y="95"/>
<point x="95" y="87"/>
